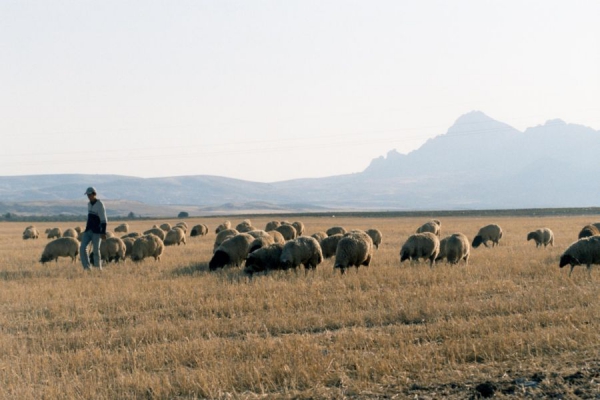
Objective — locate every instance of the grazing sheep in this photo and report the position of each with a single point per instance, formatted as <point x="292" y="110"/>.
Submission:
<point x="30" y="233"/>
<point x="54" y="233"/>
<point x="175" y="236"/>
<point x="260" y="242"/>
<point x="421" y="245"/>
<point x="123" y="228"/>
<point x="454" y="248"/>
<point x="329" y="245"/>
<point x="110" y="234"/>
<point x="223" y="236"/>
<point x="128" y="245"/>
<point x="319" y="236"/>
<point x="156" y="231"/>
<point x="434" y="226"/>
<point x="376" y="235"/>
<point x="165" y="227"/>
<point x="62" y="247"/>
<point x="491" y="233"/>
<point x="182" y="225"/>
<point x="256" y="233"/>
<point x="243" y="226"/>
<point x="287" y="231"/>
<point x="588" y="230"/>
<point x="131" y="235"/>
<point x="277" y="237"/>
<point x="233" y="251"/>
<point x="299" y="227"/>
<point x="112" y="249"/>
<point x="78" y="229"/>
<point x="335" y="230"/>
<point x="303" y="250"/>
<point x="272" y="225"/>
<point x="264" y="259"/>
<point x="542" y="236"/>
<point x="199" y="230"/>
<point x="354" y="249"/>
<point x="585" y="251"/>
<point x="149" y="245"/>
<point x="70" y="232"/>
<point x="225" y="225"/>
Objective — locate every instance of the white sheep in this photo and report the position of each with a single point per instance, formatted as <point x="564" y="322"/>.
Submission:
<point x="454" y="248"/>
<point x="277" y="237"/>
<point x="199" y="230"/>
<point x="335" y="230"/>
<point x="232" y="251"/>
<point x="175" y="236"/>
<point x="156" y="231"/>
<point x="421" y="245"/>
<point x="122" y="228"/>
<point x="61" y="247"/>
<point x="376" y="235"/>
<point x="542" y="236"/>
<point x="128" y="241"/>
<point x="182" y="225"/>
<point x="30" y="233"/>
<point x="165" y="226"/>
<point x="223" y="236"/>
<point x="491" y="233"/>
<point x="354" y="249"/>
<point x="225" y="225"/>
<point x="589" y="230"/>
<point x="329" y="245"/>
<point x="112" y="249"/>
<point x="304" y="250"/>
<point x="585" y="251"/>
<point x="149" y="245"/>
<point x="319" y="236"/>
<point x="54" y="233"/>
<point x="260" y="242"/>
<point x="287" y="231"/>
<point x="299" y="226"/>
<point x="131" y="235"/>
<point x="70" y="232"/>
<point x="434" y="226"/>
<point x="272" y="225"/>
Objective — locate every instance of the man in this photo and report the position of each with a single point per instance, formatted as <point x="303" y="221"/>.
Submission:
<point x="95" y="230"/>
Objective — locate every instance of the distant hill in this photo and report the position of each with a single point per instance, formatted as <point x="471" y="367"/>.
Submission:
<point x="479" y="163"/>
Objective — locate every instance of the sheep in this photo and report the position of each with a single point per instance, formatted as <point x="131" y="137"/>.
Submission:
<point x="288" y="232"/>
<point x="277" y="237"/>
<point x="542" y="236"/>
<point x="454" y="248"/>
<point x="128" y="242"/>
<point x="264" y="259"/>
<point x="123" y="228"/>
<point x="299" y="227"/>
<point x="376" y="236"/>
<point x="257" y="233"/>
<point x="585" y="251"/>
<point x="260" y="242"/>
<point x="303" y="250"/>
<point x="319" y="236"/>
<point x="30" y="233"/>
<point x="132" y="235"/>
<point x="354" y="249"/>
<point x="434" y="226"/>
<point x="149" y="245"/>
<point x="232" y="251"/>
<point x="54" y="233"/>
<point x="491" y="233"/>
<point x="225" y="225"/>
<point x="78" y="229"/>
<point x="272" y="225"/>
<point x="329" y="245"/>
<point x="70" y="232"/>
<point x="112" y="249"/>
<point x="61" y="247"/>
<point x="199" y="230"/>
<point x="335" y="230"/>
<point x="223" y="236"/>
<point x="421" y="245"/>
<point x="182" y="225"/>
<point x="156" y="231"/>
<point x="165" y="227"/>
<point x="587" y="231"/>
<point x="175" y="236"/>
<point x="244" y="225"/>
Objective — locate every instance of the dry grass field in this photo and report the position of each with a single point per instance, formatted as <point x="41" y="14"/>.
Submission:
<point x="511" y="320"/>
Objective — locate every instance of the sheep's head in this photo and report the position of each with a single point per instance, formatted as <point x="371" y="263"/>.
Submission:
<point x="404" y="255"/>
<point x="45" y="258"/>
<point x="530" y="235"/>
<point x="253" y="264"/>
<point x="567" y="259"/>
<point x="477" y="241"/>
<point x="219" y="260"/>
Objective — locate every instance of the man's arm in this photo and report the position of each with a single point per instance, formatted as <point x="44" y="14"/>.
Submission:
<point x="103" y="220"/>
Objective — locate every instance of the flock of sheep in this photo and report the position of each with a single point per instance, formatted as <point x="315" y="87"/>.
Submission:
<point x="282" y="245"/>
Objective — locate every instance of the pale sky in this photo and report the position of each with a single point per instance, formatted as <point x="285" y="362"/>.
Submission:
<point x="276" y="90"/>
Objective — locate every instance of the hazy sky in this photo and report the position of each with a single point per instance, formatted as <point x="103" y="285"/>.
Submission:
<point x="274" y="90"/>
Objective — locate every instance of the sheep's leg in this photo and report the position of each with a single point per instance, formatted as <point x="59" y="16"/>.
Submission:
<point x="589" y="269"/>
<point x="571" y="271"/>
<point x="485" y="243"/>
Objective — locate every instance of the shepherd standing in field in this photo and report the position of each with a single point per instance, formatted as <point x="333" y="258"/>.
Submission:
<point x="95" y="230"/>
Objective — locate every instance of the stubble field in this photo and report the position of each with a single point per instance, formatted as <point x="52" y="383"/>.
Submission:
<point x="511" y="322"/>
